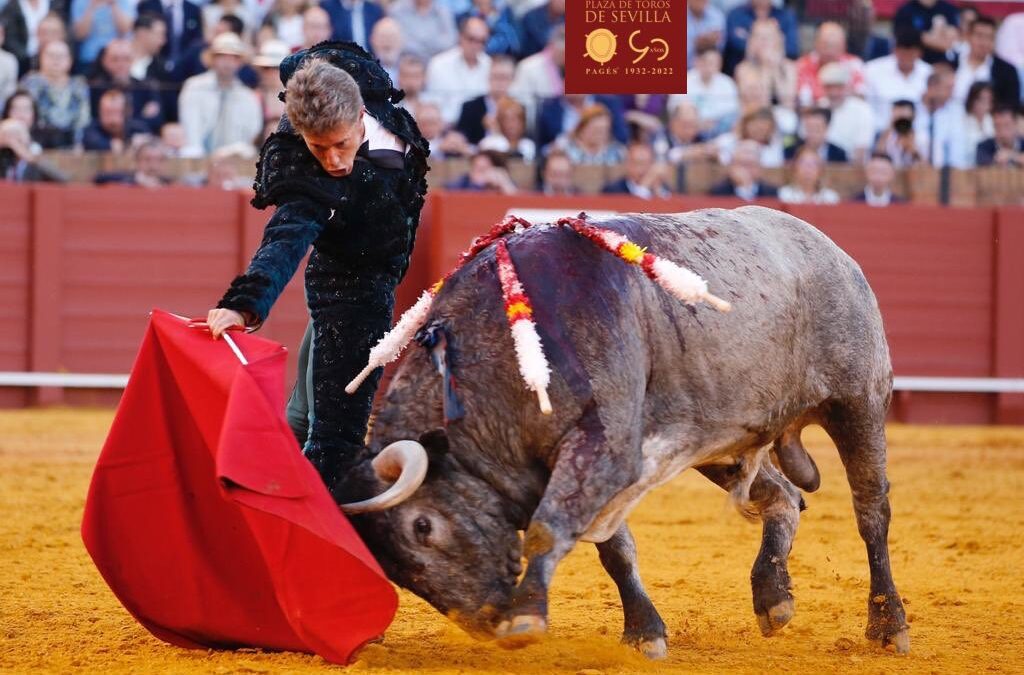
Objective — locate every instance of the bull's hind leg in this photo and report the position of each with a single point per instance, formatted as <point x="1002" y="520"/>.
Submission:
<point x="644" y="628"/>
<point x="778" y="503"/>
<point x="591" y="465"/>
<point x="858" y="430"/>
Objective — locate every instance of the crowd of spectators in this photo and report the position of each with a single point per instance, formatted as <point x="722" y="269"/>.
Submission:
<point x="155" y="79"/>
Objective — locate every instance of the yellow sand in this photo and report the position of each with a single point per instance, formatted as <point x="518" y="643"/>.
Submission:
<point x="957" y="535"/>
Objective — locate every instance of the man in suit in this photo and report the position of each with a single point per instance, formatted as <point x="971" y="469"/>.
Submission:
<point x="980" y="63"/>
<point x="744" y="178"/>
<point x="472" y="122"/>
<point x="353" y="20"/>
<point x="184" y="25"/>
<point x="879" y="174"/>
<point x="1007" y="147"/>
<point x="814" y="126"/>
<point x="561" y="113"/>
<point x="644" y="177"/>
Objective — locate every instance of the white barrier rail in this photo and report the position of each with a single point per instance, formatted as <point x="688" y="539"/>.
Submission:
<point x="972" y="385"/>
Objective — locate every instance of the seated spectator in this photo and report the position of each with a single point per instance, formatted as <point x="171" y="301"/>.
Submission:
<point x="766" y="59"/>
<point x="487" y="172"/>
<point x="556" y="175"/>
<point x="744" y="175"/>
<point x="899" y="141"/>
<point x="979" y="116"/>
<point x="753" y="97"/>
<point x="22" y="107"/>
<point x="758" y="126"/>
<point x="901" y="76"/>
<point x="94" y="23"/>
<point x="113" y="128"/>
<point x="471" y="117"/>
<point x="412" y="78"/>
<point x="1006" y="147"/>
<point x="172" y="137"/>
<point x="645" y="178"/>
<point x="541" y="76"/>
<point x="18" y="163"/>
<point x="214" y="10"/>
<point x="712" y="92"/>
<point x="184" y="21"/>
<point x="353" y="20"/>
<point x="386" y="45"/>
<point x="591" y="141"/>
<point x="150" y="163"/>
<point x="705" y="29"/>
<point x="644" y="114"/>
<point x="216" y="108"/>
<point x="62" y="100"/>
<point x="935" y="21"/>
<point x="267" y="64"/>
<point x="560" y="114"/>
<point x="538" y="24"/>
<point x="978" y="63"/>
<point x="814" y="128"/>
<point x="197" y="59"/>
<point x="27" y="32"/>
<point x="1010" y="40"/>
<point x="806" y="186"/>
<point x="285" y="20"/>
<point x="460" y="73"/>
<point x="316" y="26"/>
<point x="222" y="170"/>
<point x="683" y="139"/>
<point x="939" y="121"/>
<point x="739" y="24"/>
<point x="443" y="143"/>
<point x="502" y="24"/>
<point x="879" y="174"/>
<point x="863" y="40"/>
<point x="115" y="70"/>
<point x="829" y="47"/>
<point x="428" y="27"/>
<point x="852" y="125"/>
<point x="149" y="35"/>
<point x="8" y="69"/>
<point x="507" y="131"/>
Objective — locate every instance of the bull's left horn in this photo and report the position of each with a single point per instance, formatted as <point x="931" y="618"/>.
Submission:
<point x="405" y="463"/>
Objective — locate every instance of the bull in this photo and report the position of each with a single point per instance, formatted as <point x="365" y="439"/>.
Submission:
<point x="644" y="387"/>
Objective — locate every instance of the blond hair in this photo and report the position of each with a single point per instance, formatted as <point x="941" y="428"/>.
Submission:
<point x="320" y="96"/>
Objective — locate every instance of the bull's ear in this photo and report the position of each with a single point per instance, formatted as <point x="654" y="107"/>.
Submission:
<point x="435" y="441"/>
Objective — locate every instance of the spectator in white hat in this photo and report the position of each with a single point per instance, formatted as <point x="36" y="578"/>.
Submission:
<point x="267" y="64"/>
<point x="852" y="126"/>
<point x="216" y="109"/>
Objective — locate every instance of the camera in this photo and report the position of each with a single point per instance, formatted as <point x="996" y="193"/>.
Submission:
<point x="903" y="126"/>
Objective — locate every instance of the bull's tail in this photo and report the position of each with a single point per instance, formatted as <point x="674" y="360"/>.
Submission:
<point x="739" y="493"/>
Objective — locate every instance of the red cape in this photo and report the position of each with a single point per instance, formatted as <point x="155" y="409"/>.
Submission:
<point x="207" y="522"/>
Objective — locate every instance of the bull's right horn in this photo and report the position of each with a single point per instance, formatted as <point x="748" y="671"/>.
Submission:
<point x="405" y="463"/>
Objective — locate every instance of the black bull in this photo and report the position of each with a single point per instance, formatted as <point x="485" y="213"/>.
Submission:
<point x="643" y="387"/>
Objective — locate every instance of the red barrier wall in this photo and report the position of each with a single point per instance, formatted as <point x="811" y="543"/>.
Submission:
<point x="80" y="268"/>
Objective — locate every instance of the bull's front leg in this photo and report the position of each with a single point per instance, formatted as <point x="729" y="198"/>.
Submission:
<point x="592" y="465"/>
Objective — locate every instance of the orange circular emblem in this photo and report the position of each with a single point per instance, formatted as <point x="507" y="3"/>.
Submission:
<point x="601" y="45"/>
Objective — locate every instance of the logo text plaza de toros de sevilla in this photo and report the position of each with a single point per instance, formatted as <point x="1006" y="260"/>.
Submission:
<point x="625" y="46"/>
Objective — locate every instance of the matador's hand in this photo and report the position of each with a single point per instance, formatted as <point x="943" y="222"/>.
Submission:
<point x="220" y="320"/>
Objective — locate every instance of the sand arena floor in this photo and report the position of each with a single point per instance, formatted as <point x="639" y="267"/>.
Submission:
<point x="958" y="556"/>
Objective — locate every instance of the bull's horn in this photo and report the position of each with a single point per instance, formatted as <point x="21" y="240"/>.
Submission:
<point x="405" y="463"/>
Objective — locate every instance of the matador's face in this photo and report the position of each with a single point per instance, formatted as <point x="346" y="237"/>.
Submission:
<point x="336" y="149"/>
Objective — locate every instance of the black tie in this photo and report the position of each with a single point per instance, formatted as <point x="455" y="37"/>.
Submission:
<point x="382" y="157"/>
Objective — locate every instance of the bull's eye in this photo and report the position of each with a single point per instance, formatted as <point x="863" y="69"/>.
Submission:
<point x="421" y="526"/>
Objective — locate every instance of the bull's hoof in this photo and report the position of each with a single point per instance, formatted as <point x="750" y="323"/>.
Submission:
<point x="655" y="650"/>
<point x="898" y="642"/>
<point x="521" y="631"/>
<point x="775" y="619"/>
